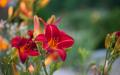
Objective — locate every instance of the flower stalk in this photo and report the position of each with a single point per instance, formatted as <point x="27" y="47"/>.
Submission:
<point x="112" y="44"/>
<point x="44" y="67"/>
<point x="15" y="71"/>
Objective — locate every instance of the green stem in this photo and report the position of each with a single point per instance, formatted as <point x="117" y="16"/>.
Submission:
<point x="112" y="59"/>
<point x="16" y="8"/>
<point x="43" y="55"/>
<point x="110" y="65"/>
<point x="44" y="67"/>
<point x="107" y="53"/>
<point x="35" y="7"/>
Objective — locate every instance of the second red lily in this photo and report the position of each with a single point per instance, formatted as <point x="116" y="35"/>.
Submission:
<point x="26" y="46"/>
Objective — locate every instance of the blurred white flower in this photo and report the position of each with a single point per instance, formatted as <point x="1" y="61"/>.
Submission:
<point x="2" y="22"/>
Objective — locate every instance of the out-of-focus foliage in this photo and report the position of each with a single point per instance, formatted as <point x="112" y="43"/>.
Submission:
<point x="89" y="28"/>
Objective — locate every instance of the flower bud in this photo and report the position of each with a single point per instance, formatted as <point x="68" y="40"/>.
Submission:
<point x="43" y="3"/>
<point x="37" y="29"/>
<point x="31" y="68"/>
<point x="109" y="40"/>
<point x="117" y="43"/>
<point x="10" y="11"/>
<point x="50" y="58"/>
<point x="51" y="20"/>
<point x="112" y="41"/>
<point x="3" y="3"/>
<point x="117" y="34"/>
<point x="3" y="44"/>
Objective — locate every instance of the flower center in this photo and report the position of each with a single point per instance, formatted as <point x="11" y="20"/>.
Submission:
<point x="22" y="49"/>
<point x="52" y="43"/>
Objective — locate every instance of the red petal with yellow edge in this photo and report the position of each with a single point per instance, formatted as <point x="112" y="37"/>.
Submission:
<point x="65" y="41"/>
<point x="33" y="53"/>
<point x="62" y="54"/>
<point x="52" y="32"/>
<point x="23" y="56"/>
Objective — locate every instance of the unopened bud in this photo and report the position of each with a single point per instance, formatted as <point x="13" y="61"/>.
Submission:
<point x="10" y="11"/>
<point x="51" y="20"/>
<point x="37" y="29"/>
<point x="31" y="68"/>
<point x="43" y="3"/>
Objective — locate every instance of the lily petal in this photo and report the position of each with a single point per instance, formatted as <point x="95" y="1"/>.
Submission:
<point x="62" y="54"/>
<point x="52" y="32"/>
<point x="31" y="44"/>
<point x="18" y="41"/>
<point x="30" y="33"/>
<point x="23" y="56"/>
<point x="45" y="45"/>
<point x="15" y="42"/>
<point x="33" y="53"/>
<point x="40" y="38"/>
<point x="66" y="41"/>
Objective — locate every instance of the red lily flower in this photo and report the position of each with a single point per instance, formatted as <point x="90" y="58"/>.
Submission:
<point x="55" y="40"/>
<point x="26" y="47"/>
